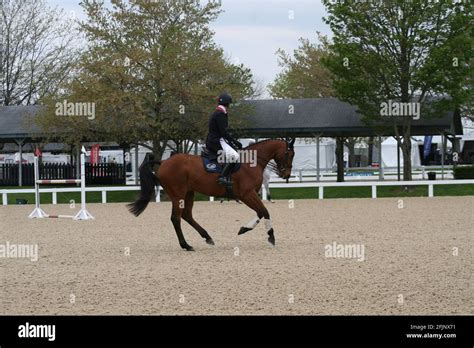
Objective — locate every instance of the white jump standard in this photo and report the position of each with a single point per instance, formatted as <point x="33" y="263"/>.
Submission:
<point x="39" y="213"/>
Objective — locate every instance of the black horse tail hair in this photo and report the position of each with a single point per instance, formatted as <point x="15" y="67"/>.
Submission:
<point x="148" y="181"/>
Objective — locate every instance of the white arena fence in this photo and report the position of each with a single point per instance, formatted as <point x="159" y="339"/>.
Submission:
<point x="373" y="184"/>
<point x="367" y="173"/>
<point x="310" y="185"/>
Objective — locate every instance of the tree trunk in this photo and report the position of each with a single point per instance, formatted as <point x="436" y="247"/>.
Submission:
<point x="371" y="151"/>
<point x="405" y="97"/>
<point x="340" y="158"/>
<point x="158" y="149"/>
<point x="406" y="150"/>
<point x="351" y="146"/>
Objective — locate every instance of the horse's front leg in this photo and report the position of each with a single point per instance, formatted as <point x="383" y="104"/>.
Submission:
<point x="250" y="225"/>
<point x="253" y="202"/>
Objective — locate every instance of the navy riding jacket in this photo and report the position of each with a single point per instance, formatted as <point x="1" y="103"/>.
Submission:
<point x="218" y="124"/>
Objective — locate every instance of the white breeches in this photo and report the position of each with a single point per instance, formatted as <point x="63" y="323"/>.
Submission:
<point x="230" y="154"/>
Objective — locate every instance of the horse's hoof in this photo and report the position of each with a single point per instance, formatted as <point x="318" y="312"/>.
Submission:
<point x="271" y="237"/>
<point x="243" y="230"/>
<point x="188" y="248"/>
<point x="210" y="241"/>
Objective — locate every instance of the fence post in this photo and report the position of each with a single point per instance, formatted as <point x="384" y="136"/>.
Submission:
<point x="104" y="196"/>
<point x="83" y="182"/>
<point x="55" y="197"/>
<point x="374" y="191"/>
<point x="83" y="213"/>
<point x="321" y="192"/>
<point x="5" y="199"/>
<point x="37" y="177"/>
<point x="318" y="169"/>
<point x="37" y="212"/>
<point x="381" y="176"/>
<point x="430" y="190"/>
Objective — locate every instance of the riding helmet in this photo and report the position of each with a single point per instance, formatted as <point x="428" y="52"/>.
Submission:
<point x="225" y="99"/>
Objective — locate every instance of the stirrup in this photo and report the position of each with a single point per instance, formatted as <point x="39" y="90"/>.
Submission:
<point x="224" y="181"/>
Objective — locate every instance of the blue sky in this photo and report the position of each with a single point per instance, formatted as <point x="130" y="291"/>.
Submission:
<point x="250" y="31"/>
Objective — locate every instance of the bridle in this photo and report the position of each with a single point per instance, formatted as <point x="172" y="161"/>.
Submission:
<point x="280" y="167"/>
<point x="284" y="166"/>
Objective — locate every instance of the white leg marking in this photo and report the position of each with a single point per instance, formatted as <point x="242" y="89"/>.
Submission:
<point x="268" y="224"/>
<point x="252" y="223"/>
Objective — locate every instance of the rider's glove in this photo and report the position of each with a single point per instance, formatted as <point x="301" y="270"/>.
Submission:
<point x="238" y="144"/>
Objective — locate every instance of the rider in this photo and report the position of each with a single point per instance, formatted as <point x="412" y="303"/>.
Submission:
<point x="219" y="138"/>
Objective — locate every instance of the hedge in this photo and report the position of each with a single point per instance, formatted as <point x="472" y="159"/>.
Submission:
<point x="464" y="172"/>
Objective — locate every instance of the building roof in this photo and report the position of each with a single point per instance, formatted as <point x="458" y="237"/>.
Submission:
<point x="328" y="117"/>
<point x="17" y="122"/>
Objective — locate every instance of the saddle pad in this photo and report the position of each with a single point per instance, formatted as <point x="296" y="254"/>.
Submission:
<point x="214" y="167"/>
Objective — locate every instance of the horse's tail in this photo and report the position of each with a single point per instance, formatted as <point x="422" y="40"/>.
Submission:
<point x="148" y="181"/>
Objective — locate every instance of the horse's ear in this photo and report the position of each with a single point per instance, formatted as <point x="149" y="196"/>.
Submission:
<point x="291" y="143"/>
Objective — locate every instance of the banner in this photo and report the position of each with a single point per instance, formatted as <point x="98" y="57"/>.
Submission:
<point x="427" y="146"/>
<point x="95" y="154"/>
<point x="38" y="152"/>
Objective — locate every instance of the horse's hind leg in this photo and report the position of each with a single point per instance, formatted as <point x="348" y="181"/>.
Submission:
<point x="188" y="217"/>
<point x="254" y="202"/>
<point x="176" y="220"/>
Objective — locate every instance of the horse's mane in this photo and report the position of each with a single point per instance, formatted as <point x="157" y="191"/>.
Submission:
<point x="262" y="141"/>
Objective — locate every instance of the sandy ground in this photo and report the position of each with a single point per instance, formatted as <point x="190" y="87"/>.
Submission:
<point x="83" y="266"/>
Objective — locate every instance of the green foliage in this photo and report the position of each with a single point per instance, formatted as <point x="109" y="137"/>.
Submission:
<point x="153" y="71"/>
<point x="303" y="75"/>
<point x="404" y="51"/>
<point x="463" y="172"/>
<point x="400" y="50"/>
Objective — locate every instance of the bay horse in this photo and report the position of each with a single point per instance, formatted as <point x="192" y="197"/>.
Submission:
<point x="182" y="174"/>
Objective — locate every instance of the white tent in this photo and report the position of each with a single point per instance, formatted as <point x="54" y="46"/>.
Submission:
<point x="305" y="153"/>
<point x="389" y="153"/>
<point x="468" y="136"/>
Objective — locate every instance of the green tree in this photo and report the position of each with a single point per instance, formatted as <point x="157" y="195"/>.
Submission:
<point x="405" y="51"/>
<point x="152" y="71"/>
<point x="304" y="76"/>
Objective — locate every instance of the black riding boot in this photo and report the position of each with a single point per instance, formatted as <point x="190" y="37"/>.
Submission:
<point x="223" y="177"/>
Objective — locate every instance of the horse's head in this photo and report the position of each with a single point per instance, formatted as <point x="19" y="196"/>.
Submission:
<point x="284" y="159"/>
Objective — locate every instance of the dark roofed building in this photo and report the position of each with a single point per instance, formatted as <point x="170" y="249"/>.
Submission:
<point x="328" y="117"/>
<point x="18" y="122"/>
<point x="322" y="117"/>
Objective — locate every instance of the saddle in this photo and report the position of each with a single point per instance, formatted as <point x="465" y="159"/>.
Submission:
<point x="209" y="160"/>
<point x="211" y="165"/>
